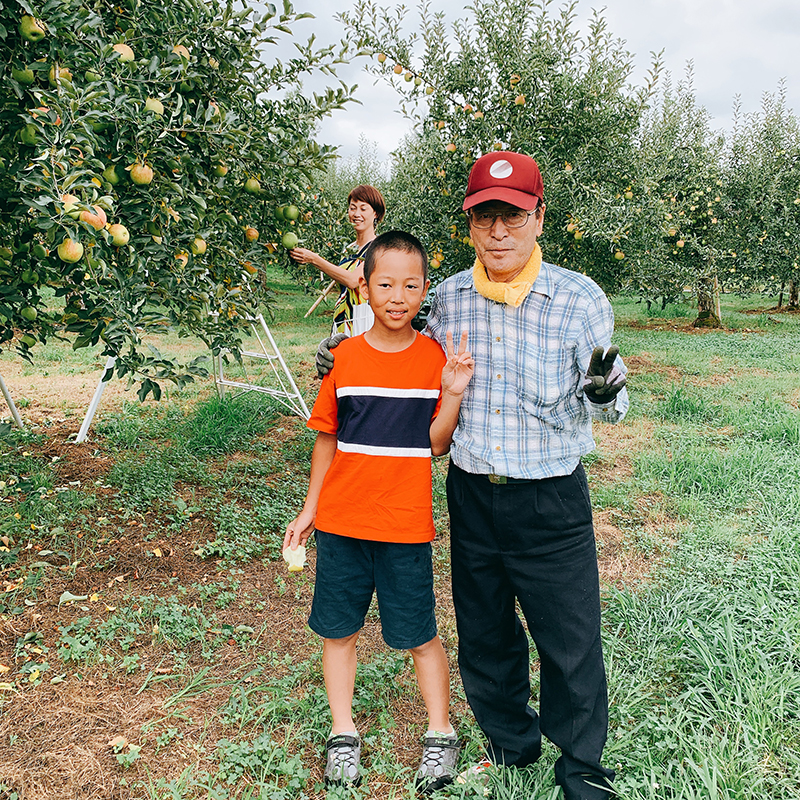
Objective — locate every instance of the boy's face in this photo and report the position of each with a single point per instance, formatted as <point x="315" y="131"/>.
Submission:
<point x="396" y="289"/>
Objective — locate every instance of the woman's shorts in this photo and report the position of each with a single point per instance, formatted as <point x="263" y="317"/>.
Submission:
<point x="349" y="570"/>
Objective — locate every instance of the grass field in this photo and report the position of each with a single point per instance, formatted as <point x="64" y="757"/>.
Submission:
<point x="152" y="644"/>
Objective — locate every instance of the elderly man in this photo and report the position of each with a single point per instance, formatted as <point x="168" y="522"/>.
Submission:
<point x="520" y="516"/>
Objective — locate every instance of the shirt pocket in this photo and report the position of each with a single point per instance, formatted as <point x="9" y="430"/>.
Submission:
<point x="544" y="379"/>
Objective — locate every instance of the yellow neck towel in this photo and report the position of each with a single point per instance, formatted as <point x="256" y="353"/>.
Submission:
<point x="512" y="293"/>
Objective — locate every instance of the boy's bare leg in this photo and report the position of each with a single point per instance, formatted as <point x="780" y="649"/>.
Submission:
<point x="433" y="677"/>
<point x="339" y="668"/>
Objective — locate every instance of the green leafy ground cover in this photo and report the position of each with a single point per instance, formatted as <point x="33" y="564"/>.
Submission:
<point x="153" y="646"/>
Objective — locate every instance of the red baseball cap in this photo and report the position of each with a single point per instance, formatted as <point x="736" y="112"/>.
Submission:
<point x="502" y="175"/>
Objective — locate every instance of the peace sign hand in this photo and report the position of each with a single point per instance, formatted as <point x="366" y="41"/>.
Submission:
<point x="604" y="380"/>
<point x="458" y="370"/>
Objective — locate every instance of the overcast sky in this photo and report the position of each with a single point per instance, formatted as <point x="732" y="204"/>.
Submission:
<point x="737" y="46"/>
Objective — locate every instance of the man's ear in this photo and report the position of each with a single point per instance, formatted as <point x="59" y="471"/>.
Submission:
<point x="363" y="288"/>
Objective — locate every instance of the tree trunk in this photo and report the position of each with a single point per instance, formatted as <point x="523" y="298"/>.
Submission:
<point x="708" y="314"/>
<point x="794" y="295"/>
<point x="780" y="295"/>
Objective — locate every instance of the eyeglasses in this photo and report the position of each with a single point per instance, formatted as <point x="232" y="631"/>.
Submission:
<point x="512" y="218"/>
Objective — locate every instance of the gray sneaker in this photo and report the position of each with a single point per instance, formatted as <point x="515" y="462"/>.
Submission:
<point x="343" y="761"/>
<point x="438" y="765"/>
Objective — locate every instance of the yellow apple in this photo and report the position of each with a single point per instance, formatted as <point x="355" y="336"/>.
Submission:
<point x="70" y="202"/>
<point x="96" y="219"/>
<point x="70" y="250"/>
<point x="64" y="75"/>
<point x="124" y="50"/>
<point x="251" y="234"/>
<point x="110" y="175"/>
<point x="119" y="234"/>
<point x="154" y="105"/>
<point x="141" y="174"/>
<point x="198" y="246"/>
<point x="32" y="30"/>
<point x="252" y="186"/>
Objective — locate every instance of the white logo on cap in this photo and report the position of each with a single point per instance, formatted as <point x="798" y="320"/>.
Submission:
<point x="501" y="169"/>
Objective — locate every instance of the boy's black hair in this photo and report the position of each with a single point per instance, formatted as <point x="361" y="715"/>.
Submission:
<point x="394" y="240"/>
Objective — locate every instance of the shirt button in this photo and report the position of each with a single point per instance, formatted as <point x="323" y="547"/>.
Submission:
<point x="497" y="411"/>
<point x="497" y="339"/>
<point x="499" y="376"/>
<point x="498" y="447"/>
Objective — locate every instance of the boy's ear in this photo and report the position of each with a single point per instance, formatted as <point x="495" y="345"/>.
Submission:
<point x="427" y="286"/>
<point x="363" y="288"/>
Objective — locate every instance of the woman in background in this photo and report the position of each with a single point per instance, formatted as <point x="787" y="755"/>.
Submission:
<point x="351" y="314"/>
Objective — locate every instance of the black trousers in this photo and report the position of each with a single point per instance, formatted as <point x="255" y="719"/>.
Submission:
<point x="532" y="542"/>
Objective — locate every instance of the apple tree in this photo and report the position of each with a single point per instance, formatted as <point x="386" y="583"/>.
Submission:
<point x="763" y="179"/>
<point x="139" y="141"/>
<point x="685" y="213"/>
<point x="514" y="75"/>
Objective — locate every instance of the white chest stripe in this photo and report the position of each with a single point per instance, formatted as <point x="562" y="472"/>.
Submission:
<point x="395" y="452"/>
<point x="383" y="391"/>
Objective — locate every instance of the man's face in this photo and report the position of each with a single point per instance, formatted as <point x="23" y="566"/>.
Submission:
<point x="502" y="250"/>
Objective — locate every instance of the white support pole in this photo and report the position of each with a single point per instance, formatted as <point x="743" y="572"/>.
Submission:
<point x="98" y="393"/>
<point x="325" y="292"/>
<point x="14" y="413"/>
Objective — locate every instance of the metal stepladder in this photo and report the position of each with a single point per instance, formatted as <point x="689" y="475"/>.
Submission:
<point x="286" y="392"/>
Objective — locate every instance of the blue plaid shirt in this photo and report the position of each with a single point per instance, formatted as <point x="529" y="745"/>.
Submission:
<point x="524" y="414"/>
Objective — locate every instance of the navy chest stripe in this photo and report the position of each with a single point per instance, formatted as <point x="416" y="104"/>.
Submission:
<point x="398" y="422"/>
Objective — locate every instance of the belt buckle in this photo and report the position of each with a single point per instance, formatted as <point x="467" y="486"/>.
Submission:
<point x="497" y="479"/>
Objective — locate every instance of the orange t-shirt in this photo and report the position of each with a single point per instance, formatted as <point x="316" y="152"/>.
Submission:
<point x="380" y="407"/>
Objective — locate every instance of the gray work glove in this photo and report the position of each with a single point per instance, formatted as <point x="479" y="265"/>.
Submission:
<point x="603" y="380"/>
<point x="324" y="358"/>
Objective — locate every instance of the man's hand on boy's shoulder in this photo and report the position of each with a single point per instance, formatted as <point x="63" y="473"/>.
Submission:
<point x="324" y="358"/>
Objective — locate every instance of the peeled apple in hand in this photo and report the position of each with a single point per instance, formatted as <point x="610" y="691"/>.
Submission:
<point x="296" y="559"/>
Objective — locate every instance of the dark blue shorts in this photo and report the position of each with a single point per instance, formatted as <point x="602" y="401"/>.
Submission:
<point x="349" y="570"/>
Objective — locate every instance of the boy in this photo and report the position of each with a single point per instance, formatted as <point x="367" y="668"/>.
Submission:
<point x="391" y="402"/>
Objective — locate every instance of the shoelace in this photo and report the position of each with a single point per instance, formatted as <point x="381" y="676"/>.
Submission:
<point x="344" y="757"/>
<point x="433" y="757"/>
